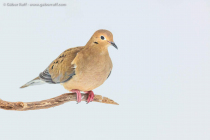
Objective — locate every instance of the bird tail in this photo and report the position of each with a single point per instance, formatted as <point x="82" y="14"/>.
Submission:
<point x="36" y="81"/>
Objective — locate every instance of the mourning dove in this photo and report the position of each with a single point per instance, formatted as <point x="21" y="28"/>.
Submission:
<point x="81" y="68"/>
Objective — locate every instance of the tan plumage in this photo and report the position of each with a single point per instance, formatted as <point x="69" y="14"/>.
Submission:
<point x="83" y="68"/>
<point x="92" y="69"/>
<point x="61" y="67"/>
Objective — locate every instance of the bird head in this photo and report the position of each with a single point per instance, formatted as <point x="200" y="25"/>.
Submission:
<point x="102" y="38"/>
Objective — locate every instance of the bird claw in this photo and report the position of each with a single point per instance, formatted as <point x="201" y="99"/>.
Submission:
<point x="90" y="96"/>
<point x="79" y="96"/>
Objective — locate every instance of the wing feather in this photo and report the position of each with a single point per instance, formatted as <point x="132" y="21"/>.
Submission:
<point x="61" y="70"/>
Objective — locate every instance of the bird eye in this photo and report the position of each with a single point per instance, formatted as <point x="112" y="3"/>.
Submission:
<point x="103" y="38"/>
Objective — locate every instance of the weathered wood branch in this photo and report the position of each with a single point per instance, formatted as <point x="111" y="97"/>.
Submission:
<point x="56" y="101"/>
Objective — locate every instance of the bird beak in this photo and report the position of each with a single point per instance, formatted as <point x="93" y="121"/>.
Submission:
<point x="113" y="44"/>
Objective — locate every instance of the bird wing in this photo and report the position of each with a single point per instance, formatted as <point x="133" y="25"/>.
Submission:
<point x="61" y="69"/>
<point x="109" y="74"/>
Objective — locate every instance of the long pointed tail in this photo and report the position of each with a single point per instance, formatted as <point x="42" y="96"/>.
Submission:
<point x="36" y="81"/>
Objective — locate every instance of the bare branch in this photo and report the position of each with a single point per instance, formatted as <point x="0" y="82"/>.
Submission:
<point x="44" y="104"/>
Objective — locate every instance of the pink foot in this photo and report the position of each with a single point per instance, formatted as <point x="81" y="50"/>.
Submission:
<point x="90" y="96"/>
<point x="79" y="97"/>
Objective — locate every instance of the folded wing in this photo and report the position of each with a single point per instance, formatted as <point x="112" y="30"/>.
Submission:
<point x="61" y="69"/>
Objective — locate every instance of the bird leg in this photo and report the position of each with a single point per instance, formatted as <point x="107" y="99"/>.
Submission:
<point x="90" y="96"/>
<point x="79" y="96"/>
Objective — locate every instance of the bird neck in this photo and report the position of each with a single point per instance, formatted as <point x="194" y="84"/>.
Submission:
<point x="95" y="49"/>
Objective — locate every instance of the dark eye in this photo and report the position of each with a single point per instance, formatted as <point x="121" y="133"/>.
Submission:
<point x="102" y="38"/>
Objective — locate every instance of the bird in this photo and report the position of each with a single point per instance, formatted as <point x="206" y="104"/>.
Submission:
<point x="82" y="68"/>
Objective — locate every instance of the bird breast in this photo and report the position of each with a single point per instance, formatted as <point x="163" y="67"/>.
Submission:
<point x="90" y="73"/>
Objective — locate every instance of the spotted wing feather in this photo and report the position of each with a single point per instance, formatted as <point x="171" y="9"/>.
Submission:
<point x="61" y="69"/>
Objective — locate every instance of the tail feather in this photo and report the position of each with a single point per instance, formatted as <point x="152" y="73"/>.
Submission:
<point x="36" y="81"/>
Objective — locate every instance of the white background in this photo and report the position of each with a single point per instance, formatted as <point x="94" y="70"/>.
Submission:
<point x="160" y="78"/>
